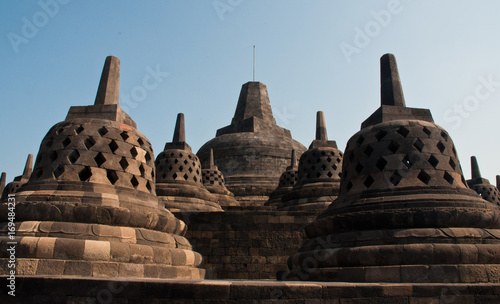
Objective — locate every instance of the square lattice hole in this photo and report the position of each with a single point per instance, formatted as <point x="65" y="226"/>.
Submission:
<point x="85" y="174"/>
<point x="112" y="176"/>
<point x="79" y="130"/>
<point x="360" y="140"/>
<point x="380" y="134"/>
<point x="418" y="144"/>
<point x="73" y="156"/>
<point x="368" y="181"/>
<point x="102" y="131"/>
<point x="403" y="131"/>
<point x="99" y="159"/>
<point x="433" y="161"/>
<point x="358" y="168"/>
<point x="447" y="176"/>
<point x="58" y="171"/>
<point x="89" y="142"/>
<point x="395" y="178"/>
<point x="124" y="135"/>
<point x="66" y="142"/>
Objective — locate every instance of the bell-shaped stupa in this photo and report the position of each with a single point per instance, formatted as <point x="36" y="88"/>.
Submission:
<point x="89" y="208"/>
<point x="179" y="183"/>
<point x="213" y="180"/>
<point x="481" y="185"/>
<point x="319" y="173"/>
<point x="253" y="150"/>
<point x="404" y="212"/>
<point x="288" y="179"/>
<point x="18" y="181"/>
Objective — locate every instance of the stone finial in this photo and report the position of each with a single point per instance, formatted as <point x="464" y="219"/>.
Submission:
<point x="498" y="181"/>
<point x="109" y="86"/>
<point x="2" y="182"/>
<point x="391" y="92"/>
<point x="320" y="126"/>
<point x="180" y="131"/>
<point x="212" y="163"/>
<point x="28" y="168"/>
<point x="474" y="168"/>
<point x="293" y="163"/>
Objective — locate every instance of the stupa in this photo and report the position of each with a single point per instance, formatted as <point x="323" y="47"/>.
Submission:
<point x="213" y="180"/>
<point x="319" y="173"/>
<point x="179" y="183"/>
<point x="20" y="180"/>
<point x="481" y="185"/>
<point x="89" y="208"/>
<point x="253" y="150"/>
<point x="288" y="179"/>
<point x="404" y="212"/>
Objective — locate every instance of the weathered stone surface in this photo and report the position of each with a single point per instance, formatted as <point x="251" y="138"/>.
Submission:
<point x="179" y="182"/>
<point x="253" y="151"/>
<point x="213" y="181"/>
<point x="288" y="179"/>
<point x="404" y="212"/>
<point x="318" y="175"/>
<point x="90" y="206"/>
<point x="481" y="185"/>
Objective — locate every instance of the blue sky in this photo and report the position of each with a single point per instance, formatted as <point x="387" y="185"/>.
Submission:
<point x="312" y="55"/>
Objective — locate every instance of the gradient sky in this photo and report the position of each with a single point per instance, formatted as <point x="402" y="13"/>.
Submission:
<point x="312" y="55"/>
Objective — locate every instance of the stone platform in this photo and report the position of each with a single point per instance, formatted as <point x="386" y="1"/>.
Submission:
<point x="68" y="289"/>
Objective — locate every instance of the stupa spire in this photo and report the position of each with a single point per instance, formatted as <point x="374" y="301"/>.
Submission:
<point x="391" y="92"/>
<point x="28" y="168"/>
<point x="498" y="181"/>
<point x="212" y="158"/>
<point x="109" y="85"/>
<point x="293" y="162"/>
<point x="474" y="168"/>
<point x="320" y="126"/>
<point x="2" y="182"/>
<point x="180" y="131"/>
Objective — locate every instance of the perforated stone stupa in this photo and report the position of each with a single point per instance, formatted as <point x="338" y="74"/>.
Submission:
<point x="288" y="179"/>
<point x="481" y="185"/>
<point x="179" y="183"/>
<point x="319" y="173"/>
<point x="90" y="207"/>
<point x="253" y="150"/>
<point x="404" y="213"/>
<point x="213" y="180"/>
<point x="18" y="181"/>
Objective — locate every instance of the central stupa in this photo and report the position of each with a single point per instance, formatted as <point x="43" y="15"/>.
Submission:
<point x="253" y="150"/>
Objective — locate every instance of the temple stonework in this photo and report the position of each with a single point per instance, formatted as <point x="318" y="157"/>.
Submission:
<point x="253" y="151"/>
<point x="389" y="220"/>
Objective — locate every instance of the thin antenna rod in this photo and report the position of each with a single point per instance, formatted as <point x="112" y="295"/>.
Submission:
<point x="254" y="63"/>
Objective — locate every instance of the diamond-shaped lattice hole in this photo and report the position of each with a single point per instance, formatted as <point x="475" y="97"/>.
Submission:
<point x="447" y="176"/>
<point x="185" y="176"/>
<point x="73" y="156"/>
<point x="380" y="134"/>
<point x="349" y="186"/>
<point x="393" y="146"/>
<point x="147" y="157"/>
<point x="424" y="177"/>
<point x="368" y="151"/>
<point x="368" y="181"/>
<point x="441" y="146"/>
<point x="79" y="130"/>
<point x="452" y="164"/>
<point x="140" y="142"/>
<point x="59" y="131"/>
<point x="112" y="176"/>
<point x="102" y="131"/>
<point x="124" y="135"/>
<point x="360" y="140"/>
<point x="134" y="182"/>
<point x="176" y="161"/>
<point x="181" y="168"/>
<point x="181" y="155"/>
<point x="99" y="159"/>
<point x="358" y="168"/>
<point x="318" y="174"/>
<point x="334" y="167"/>
<point x="403" y="131"/>
<point x="141" y="169"/>
<point x="85" y="174"/>
<point x="185" y="162"/>
<point x="329" y="174"/>
<point x="124" y="163"/>
<point x="52" y="156"/>
<point x="323" y="167"/>
<point x="195" y="179"/>
<point x="113" y="146"/>
<point x="418" y="144"/>
<point x="66" y="142"/>
<point x="164" y="175"/>
<point x="148" y="185"/>
<point x="444" y="135"/>
<point x="381" y="163"/>
<point x="133" y="151"/>
<point x="427" y="131"/>
<point x="58" y="171"/>
<point x="174" y="175"/>
<point x="89" y="142"/>
<point x="328" y="159"/>
<point x="433" y="161"/>
<point x="406" y="161"/>
<point x="395" y="178"/>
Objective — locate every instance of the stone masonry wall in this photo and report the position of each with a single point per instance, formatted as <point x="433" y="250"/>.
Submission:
<point x="246" y="244"/>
